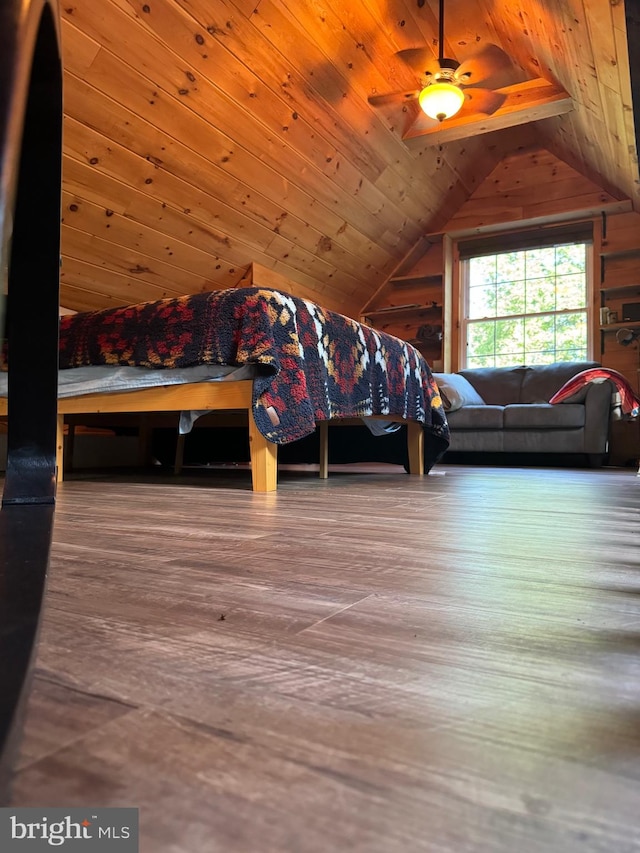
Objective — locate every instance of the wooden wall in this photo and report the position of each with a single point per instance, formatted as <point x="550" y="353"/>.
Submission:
<point x="531" y="186"/>
<point x="201" y="137"/>
<point x="204" y="135"/>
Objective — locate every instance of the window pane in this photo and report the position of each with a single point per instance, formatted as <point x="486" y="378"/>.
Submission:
<point x="510" y="266"/>
<point x="511" y="298"/>
<point x="481" y="361"/>
<point x="540" y="262"/>
<point x="542" y="357"/>
<point x="482" y="301"/>
<point x="539" y="334"/>
<point x="571" y="331"/>
<point x="482" y="270"/>
<point x="507" y="359"/>
<point x="481" y="339"/>
<point x="510" y="338"/>
<point x="541" y="294"/>
<point x="571" y="259"/>
<point x="571" y="291"/>
<point x="571" y="355"/>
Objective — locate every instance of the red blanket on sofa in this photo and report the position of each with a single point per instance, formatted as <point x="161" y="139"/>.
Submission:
<point x="629" y="400"/>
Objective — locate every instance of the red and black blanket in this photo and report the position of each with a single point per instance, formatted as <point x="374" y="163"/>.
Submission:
<point x="313" y="364"/>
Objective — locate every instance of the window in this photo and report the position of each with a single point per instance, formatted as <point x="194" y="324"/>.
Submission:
<point x="526" y="304"/>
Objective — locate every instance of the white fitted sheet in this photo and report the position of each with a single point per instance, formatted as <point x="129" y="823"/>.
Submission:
<point x="103" y="379"/>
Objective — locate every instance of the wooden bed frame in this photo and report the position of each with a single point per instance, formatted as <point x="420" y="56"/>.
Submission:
<point x="215" y="396"/>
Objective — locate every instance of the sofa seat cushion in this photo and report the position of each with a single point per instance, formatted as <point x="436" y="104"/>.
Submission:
<point x="478" y="417"/>
<point x="544" y="416"/>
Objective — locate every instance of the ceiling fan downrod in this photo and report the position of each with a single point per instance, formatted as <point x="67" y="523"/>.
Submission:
<point x="442" y="97"/>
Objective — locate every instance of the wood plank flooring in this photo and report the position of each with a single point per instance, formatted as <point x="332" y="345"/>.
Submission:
<point x="371" y="663"/>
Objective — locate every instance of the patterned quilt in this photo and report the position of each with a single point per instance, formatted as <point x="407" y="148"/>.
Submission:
<point x="313" y="364"/>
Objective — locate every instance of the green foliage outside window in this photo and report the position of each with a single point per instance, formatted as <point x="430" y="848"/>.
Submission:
<point x="527" y="307"/>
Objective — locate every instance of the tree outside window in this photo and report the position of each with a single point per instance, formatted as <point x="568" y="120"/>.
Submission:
<point x="527" y="307"/>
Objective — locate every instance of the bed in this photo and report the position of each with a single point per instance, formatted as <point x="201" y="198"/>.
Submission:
<point x="289" y="364"/>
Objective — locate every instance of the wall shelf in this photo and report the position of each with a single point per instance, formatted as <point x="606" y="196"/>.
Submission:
<point x="404" y="280"/>
<point x="613" y="327"/>
<point x="620" y="288"/>
<point x="612" y="255"/>
<point x="619" y="253"/>
<point x="410" y="310"/>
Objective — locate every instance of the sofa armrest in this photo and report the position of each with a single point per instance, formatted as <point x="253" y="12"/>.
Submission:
<point x="597" y="403"/>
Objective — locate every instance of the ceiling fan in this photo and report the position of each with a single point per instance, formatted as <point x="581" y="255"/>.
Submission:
<point x="471" y="91"/>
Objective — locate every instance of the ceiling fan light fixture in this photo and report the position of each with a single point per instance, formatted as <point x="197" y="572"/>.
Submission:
<point x="441" y="100"/>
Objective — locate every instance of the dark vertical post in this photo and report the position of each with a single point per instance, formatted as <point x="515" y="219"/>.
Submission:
<point x="30" y="174"/>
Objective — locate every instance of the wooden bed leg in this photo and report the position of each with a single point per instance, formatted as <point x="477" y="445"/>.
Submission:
<point x="60" y="448"/>
<point x="415" y="442"/>
<point x="179" y="458"/>
<point x="264" y="459"/>
<point x="323" y="427"/>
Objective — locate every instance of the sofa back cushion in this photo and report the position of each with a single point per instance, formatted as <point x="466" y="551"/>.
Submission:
<point x="498" y="386"/>
<point x="540" y="382"/>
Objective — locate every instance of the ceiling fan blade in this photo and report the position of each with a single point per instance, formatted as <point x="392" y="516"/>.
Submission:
<point x="490" y="66"/>
<point x="393" y="98"/>
<point x="420" y="124"/>
<point x="420" y="59"/>
<point x="483" y="100"/>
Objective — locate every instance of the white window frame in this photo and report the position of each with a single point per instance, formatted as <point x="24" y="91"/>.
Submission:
<point x="590" y="289"/>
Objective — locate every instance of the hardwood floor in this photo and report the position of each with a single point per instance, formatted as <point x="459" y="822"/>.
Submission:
<point x="371" y="663"/>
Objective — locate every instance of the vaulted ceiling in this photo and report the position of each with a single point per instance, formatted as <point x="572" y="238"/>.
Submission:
<point x="203" y="135"/>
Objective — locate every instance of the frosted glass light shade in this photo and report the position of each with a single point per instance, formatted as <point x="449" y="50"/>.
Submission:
<point x="441" y="100"/>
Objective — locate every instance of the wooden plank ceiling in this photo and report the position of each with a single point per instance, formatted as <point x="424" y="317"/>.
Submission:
<point x="202" y="135"/>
